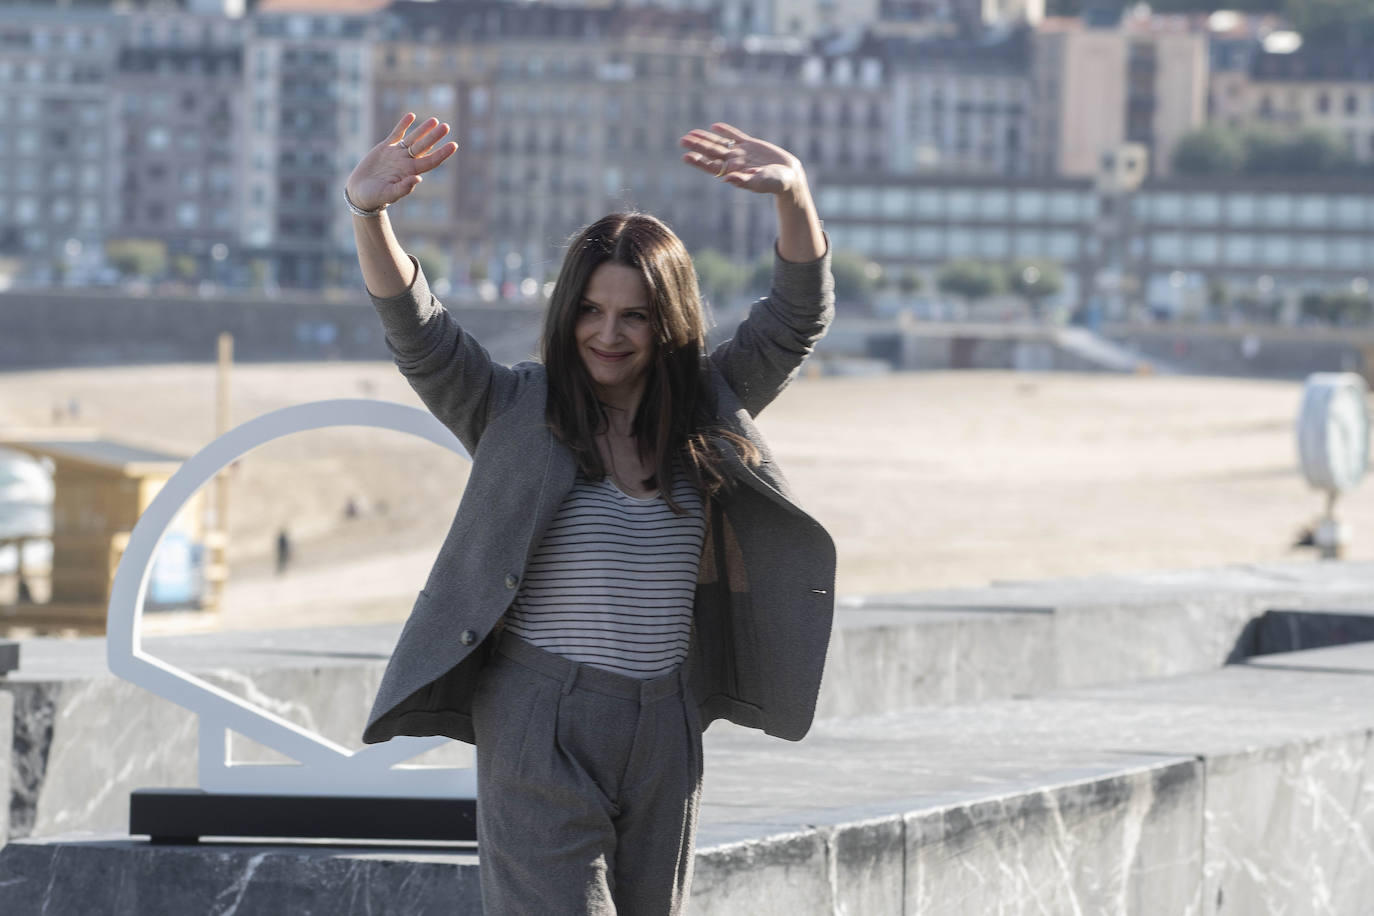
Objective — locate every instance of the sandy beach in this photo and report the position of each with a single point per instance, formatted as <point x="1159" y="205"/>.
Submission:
<point x="924" y="480"/>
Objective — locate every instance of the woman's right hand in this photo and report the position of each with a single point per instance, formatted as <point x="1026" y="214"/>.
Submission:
<point x="388" y="172"/>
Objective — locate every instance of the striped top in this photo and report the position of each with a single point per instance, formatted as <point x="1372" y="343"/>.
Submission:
<point x="613" y="581"/>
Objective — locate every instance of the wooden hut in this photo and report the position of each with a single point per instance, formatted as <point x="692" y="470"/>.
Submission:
<point x="101" y="487"/>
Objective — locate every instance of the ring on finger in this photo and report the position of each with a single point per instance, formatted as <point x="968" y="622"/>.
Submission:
<point x="410" y="152"/>
<point x="729" y="144"/>
<point x="722" y="168"/>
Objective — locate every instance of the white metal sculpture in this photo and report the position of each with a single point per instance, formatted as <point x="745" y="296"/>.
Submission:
<point x="1333" y="446"/>
<point x="323" y="767"/>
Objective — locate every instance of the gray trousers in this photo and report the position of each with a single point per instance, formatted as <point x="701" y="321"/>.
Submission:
<point x="587" y="787"/>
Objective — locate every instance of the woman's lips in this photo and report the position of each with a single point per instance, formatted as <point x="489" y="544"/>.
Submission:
<point x="609" y="357"/>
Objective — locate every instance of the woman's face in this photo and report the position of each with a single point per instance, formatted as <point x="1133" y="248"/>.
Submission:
<point x="614" y="333"/>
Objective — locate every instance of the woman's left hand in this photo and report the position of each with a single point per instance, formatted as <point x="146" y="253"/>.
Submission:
<point x="728" y="153"/>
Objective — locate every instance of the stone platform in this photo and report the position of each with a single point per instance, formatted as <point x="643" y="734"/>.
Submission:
<point x="1245" y="790"/>
<point x="83" y="740"/>
<point x="1032" y="747"/>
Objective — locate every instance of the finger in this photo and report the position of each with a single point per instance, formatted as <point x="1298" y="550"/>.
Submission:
<point x="431" y="160"/>
<point x="419" y="131"/>
<point x="730" y="132"/>
<point x="422" y="143"/>
<point x="399" y="130"/>
<point x="706" y="143"/>
<point x="704" y="163"/>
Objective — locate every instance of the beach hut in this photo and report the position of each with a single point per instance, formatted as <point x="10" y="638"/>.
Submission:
<point x="100" y="488"/>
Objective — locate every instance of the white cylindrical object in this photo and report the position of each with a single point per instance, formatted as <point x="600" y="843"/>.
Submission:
<point x="1333" y="431"/>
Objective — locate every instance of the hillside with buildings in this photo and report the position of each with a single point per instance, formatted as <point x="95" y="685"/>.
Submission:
<point x="204" y="144"/>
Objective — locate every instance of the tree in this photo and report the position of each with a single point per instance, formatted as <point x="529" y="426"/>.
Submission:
<point x="1338" y="308"/>
<point x="971" y="280"/>
<point x="721" y="279"/>
<point x="1035" y="281"/>
<point x="432" y="263"/>
<point x="854" y="282"/>
<point x="1210" y="151"/>
<point x="145" y="258"/>
<point x="909" y="283"/>
<point x="1310" y="151"/>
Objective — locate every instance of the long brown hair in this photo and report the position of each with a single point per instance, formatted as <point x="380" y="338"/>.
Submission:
<point x="675" y="415"/>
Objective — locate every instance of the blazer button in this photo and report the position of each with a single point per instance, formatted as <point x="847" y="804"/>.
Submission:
<point x="512" y="580"/>
<point x="467" y="637"/>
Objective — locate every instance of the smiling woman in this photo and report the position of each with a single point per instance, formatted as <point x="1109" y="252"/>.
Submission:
<point x="626" y="565"/>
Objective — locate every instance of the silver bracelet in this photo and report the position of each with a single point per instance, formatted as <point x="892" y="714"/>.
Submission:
<point x="359" y="211"/>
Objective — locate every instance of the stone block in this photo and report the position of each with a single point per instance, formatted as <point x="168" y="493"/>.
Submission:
<point x="1130" y="843"/>
<point x="84" y="739"/>
<point x="124" y="878"/>
<point x="885" y="658"/>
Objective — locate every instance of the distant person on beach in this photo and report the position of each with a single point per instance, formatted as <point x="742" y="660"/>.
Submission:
<point x="283" y="551"/>
<point x="628" y="563"/>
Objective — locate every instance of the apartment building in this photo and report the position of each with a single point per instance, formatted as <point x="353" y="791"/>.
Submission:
<point x="960" y="106"/>
<point x="563" y="114"/>
<point x="1177" y="238"/>
<point x="176" y="100"/>
<point x="1095" y="87"/>
<point x="55" y="67"/>
<point x="307" y="92"/>
<point x="1323" y="86"/>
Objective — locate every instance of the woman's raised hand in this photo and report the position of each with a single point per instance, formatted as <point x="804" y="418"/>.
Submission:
<point x="728" y="153"/>
<point x="392" y="168"/>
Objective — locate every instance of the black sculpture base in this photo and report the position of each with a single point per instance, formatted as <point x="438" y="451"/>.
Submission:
<point x="9" y="656"/>
<point x="186" y="815"/>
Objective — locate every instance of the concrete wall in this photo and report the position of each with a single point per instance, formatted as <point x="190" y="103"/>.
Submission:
<point x="40" y="330"/>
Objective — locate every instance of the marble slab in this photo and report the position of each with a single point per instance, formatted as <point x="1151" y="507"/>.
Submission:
<point x="1246" y="790"/>
<point x="82" y="740"/>
<point x="131" y="878"/>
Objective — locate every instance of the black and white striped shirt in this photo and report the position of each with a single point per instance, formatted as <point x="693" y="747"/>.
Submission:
<point x="613" y="581"/>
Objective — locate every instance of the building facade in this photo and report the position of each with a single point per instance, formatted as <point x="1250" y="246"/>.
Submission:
<point x="1095" y="88"/>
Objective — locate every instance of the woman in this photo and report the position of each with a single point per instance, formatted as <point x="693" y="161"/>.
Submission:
<point x="627" y="564"/>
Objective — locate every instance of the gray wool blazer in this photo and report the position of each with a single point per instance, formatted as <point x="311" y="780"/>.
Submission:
<point x="761" y="624"/>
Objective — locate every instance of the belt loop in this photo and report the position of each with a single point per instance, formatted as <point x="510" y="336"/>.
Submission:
<point x="570" y="679"/>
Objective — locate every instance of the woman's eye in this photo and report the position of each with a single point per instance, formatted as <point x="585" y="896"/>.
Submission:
<point x="585" y="309"/>
<point x="637" y="316"/>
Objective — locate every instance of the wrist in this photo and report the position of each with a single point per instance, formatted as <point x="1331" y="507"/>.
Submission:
<point x="361" y="211"/>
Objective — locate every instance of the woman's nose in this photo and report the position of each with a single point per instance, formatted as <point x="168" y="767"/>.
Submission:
<point x="608" y="331"/>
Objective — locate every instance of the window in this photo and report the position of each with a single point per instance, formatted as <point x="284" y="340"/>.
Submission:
<point x="894" y="242"/>
<point x="1029" y="205"/>
<point x="1030" y="244"/>
<point x="1242" y="209"/>
<point x="1348" y="252"/>
<point x="1240" y="249"/>
<point x="994" y="205"/>
<point x="1349" y="211"/>
<point x="1204" y="248"/>
<point x="1167" y="208"/>
<point x="961" y="243"/>
<point x="993" y="245"/>
<point x="1312" y="210"/>
<point x="1277" y="251"/>
<point x="1312" y="252"/>
<point x="928" y="243"/>
<point x="896" y="203"/>
<point x="1204" y="209"/>
<point x="961" y="203"/>
<point x="1276" y="209"/>
<point x="1166" y="247"/>
<point x="927" y="204"/>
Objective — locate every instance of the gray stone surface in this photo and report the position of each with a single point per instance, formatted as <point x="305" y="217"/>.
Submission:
<point x="1042" y="747"/>
<point x="83" y="740"/>
<point x="92" y="877"/>
<point x="1252" y="785"/>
